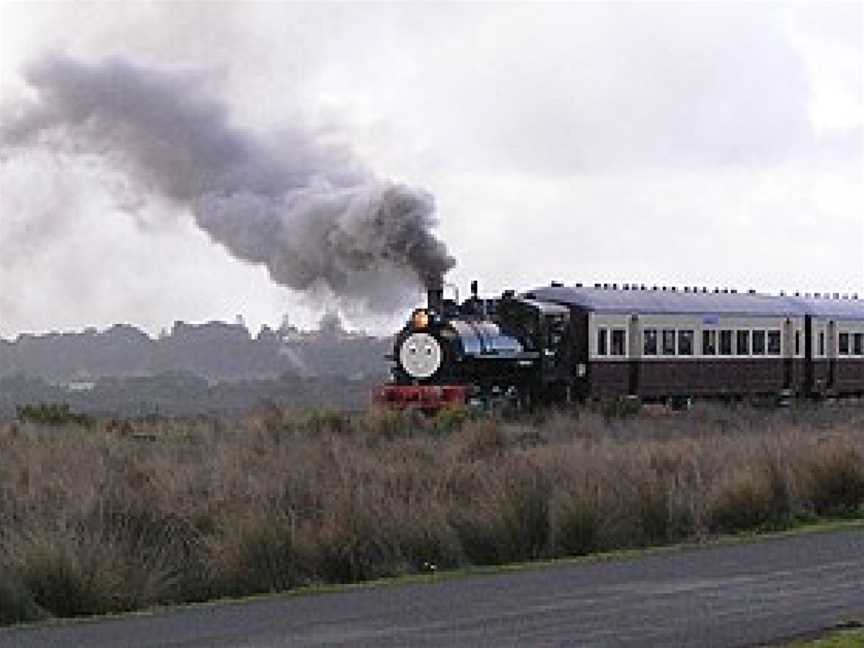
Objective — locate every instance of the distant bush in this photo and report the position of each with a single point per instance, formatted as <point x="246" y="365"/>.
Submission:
<point x="53" y="414"/>
<point x="622" y="407"/>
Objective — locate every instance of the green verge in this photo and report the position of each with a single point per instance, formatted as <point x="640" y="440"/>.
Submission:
<point x="848" y="635"/>
<point x="622" y="555"/>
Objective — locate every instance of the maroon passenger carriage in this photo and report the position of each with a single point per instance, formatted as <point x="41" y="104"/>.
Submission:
<point x="558" y="343"/>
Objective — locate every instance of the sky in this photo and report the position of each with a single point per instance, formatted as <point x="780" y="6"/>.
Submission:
<point x="698" y="144"/>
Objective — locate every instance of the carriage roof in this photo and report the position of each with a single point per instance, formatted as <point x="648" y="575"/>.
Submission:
<point x="697" y="302"/>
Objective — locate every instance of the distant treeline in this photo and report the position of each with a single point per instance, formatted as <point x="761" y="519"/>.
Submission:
<point x="216" y="351"/>
<point x="214" y="368"/>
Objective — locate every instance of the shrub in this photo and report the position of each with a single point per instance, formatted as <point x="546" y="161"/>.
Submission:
<point x="254" y="553"/>
<point x="836" y="479"/>
<point x="481" y="439"/>
<point x="509" y="519"/>
<point x="352" y="546"/>
<point x="620" y="408"/>
<point x="16" y="601"/>
<point x="323" y="421"/>
<point x="388" y="425"/>
<point x="53" y="414"/>
<point x="103" y="565"/>
<point x="525" y="508"/>
<point x="652" y="510"/>
<point x="452" y="419"/>
<point x="427" y="541"/>
<point x="744" y="502"/>
<point x="575" y="522"/>
<point x="60" y="583"/>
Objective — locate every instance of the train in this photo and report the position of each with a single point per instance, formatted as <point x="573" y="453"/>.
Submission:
<point x="560" y="344"/>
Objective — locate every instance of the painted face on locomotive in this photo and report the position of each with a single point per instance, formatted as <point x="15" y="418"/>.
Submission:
<point x="420" y="355"/>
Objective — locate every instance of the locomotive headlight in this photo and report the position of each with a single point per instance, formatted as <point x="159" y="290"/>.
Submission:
<point x="420" y="355"/>
<point x="420" y="320"/>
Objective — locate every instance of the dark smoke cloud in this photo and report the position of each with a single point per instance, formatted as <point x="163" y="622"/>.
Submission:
<point x="309" y="212"/>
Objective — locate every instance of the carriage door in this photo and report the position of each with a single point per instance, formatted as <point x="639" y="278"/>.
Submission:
<point x="788" y="353"/>
<point x="808" y="354"/>
<point x="832" y="352"/>
<point x="634" y="336"/>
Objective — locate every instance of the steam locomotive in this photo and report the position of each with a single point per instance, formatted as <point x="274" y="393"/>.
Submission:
<point x="557" y="344"/>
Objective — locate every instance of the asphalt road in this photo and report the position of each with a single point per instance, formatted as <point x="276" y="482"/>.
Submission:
<point x="737" y="595"/>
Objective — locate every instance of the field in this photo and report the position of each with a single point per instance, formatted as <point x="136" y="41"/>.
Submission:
<point x="109" y="516"/>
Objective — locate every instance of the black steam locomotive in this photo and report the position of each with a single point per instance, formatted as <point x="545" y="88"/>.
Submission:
<point x="483" y="350"/>
<point x="558" y="344"/>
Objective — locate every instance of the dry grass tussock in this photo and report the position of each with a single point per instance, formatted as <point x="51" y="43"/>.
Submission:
<point x="101" y="518"/>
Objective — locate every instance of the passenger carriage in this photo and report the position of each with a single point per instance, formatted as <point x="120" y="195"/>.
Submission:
<point x="659" y="343"/>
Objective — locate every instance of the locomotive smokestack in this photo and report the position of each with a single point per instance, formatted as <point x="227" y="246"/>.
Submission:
<point x="435" y="294"/>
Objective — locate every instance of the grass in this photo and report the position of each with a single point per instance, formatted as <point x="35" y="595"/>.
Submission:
<point x="165" y="511"/>
<point x="849" y="635"/>
<point x="839" y="639"/>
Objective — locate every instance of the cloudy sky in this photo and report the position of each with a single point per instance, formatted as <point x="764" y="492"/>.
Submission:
<point x="692" y="143"/>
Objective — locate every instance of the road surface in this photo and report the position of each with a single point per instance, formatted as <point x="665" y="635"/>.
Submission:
<point x="723" y="596"/>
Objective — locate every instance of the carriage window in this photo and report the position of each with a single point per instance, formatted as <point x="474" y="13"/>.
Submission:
<point x="859" y="344"/>
<point x="668" y="341"/>
<point x="821" y="343"/>
<point x="709" y="342"/>
<point x="650" y="342"/>
<point x="685" y="343"/>
<point x="843" y="344"/>
<point x="797" y="342"/>
<point x="743" y="347"/>
<point x="758" y="342"/>
<point x="725" y="342"/>
<point x="618" y="342"/>
<point x="602" y="342"/>
<point x="773" y="342"/>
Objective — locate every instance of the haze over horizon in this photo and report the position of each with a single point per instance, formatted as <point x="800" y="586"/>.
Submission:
<point x="683" y="144"/>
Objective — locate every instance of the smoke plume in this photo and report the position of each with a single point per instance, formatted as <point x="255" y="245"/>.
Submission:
<point x="311" y="214"/>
